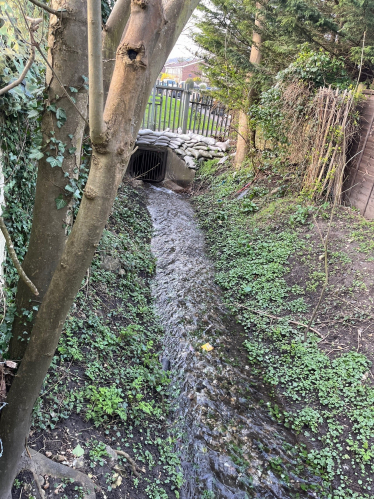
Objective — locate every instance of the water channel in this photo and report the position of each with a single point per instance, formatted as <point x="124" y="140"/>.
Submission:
<point x="229" y="445"/>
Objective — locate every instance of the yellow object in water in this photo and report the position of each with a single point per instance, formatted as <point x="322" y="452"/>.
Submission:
<point x="207" y="347"/>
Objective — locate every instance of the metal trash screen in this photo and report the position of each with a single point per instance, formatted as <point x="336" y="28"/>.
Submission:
<point x="148" y="164"/>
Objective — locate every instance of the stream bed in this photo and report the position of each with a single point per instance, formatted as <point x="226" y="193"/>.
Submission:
<point x="229" y="445"/>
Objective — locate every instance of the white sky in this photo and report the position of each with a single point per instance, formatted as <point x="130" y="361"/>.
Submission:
<point x="184" y="46"/>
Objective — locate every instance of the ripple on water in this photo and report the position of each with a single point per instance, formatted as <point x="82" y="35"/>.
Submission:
<point x="229" y="444"/>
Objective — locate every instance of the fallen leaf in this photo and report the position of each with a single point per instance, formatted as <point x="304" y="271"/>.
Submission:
<point x="78" y="451"/>
<point x="207" y="347"/>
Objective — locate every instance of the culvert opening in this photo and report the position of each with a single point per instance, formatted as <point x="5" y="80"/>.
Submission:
<point x="148" y="164"/>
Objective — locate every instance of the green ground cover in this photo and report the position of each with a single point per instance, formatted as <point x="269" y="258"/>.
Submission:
<point x="269" y="262"/>
<point x="106" y="385"/>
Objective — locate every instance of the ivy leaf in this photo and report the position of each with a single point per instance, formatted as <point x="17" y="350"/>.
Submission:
<point x="70" y="188"/>
<point x="60" y="114"/>
<point x="53" y="161"/>
<point x="33" y="113"/>
<point x="36" y="154"/>
<point x="72" y="89"/>
<point x="60" y="202"/>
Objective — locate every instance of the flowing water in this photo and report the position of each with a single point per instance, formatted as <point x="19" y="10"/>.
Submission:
<point x="229" y="445"/>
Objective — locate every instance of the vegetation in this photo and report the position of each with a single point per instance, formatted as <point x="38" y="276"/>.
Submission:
<point x="61" y="249"/>
<point x="266" y="248"/>
<point x="320" y="43"/>
<point x="81" y="381"/>
<point x="118" y="383"/>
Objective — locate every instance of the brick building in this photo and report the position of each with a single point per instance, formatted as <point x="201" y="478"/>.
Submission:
<point x="181" y="71"/>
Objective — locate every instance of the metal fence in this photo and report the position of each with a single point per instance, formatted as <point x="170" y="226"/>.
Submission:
<point x="173" y="107"/>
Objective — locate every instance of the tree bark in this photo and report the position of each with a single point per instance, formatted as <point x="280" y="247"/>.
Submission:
<point x="67" y="56"/>
<point x="112" y="35"/>
<point x="148" y="39"/>
<point x="244" y="141"/>
<point x="95" y="70"/>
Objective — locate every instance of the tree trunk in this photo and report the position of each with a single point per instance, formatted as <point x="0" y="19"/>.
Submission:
<point x="67" y="56"/>
<point x="244" y="133"/>
<point x="148" y="39"/>
<point x="112" y="34"/>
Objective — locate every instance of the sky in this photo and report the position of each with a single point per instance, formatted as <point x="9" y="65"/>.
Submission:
<point x="185" y="46"/>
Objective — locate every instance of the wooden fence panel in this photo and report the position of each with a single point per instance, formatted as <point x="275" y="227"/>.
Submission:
<point x="360" y="181"/>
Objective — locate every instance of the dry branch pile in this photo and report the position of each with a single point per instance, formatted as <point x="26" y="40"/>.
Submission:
<point x="335" y="124"/>
<point x="320" y="126"/>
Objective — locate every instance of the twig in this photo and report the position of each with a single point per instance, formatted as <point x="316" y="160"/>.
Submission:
<point x="323" y="339"/>
<point x="261" y="312"/>
<point x="337" y="349"/>
<point x="19" y="80"/>
<point x="359" y="335"/>
<point x="14" y="258"/>
<point x="47" y="8"/>
<point x="39" y="487"/>
<point x="130" y="460"/>
<point x="34" y="23"/>
<point x="325" y="244"/>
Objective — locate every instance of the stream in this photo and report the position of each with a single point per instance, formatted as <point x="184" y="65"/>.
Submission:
<point x="229" y="445"/>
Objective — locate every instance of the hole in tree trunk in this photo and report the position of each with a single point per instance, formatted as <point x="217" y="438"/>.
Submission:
<point x="132" y="54"/>
<point x="148" y="164"/>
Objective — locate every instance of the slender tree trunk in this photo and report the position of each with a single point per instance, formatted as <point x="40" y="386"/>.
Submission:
<point x="245" y="134"/>
<point x="112" y="34"/>
<point x="148" y="39"/>
<point x="67" y="56"/>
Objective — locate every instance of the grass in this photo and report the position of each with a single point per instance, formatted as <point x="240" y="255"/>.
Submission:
<point x="169" y="113"/>
<point x="264" y="249"/>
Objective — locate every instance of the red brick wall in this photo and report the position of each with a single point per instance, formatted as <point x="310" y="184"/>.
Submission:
<point x="191" y="71"/>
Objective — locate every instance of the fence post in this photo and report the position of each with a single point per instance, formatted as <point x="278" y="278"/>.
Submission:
<point x="186" y="109"/>
<point x="153" y="108"/>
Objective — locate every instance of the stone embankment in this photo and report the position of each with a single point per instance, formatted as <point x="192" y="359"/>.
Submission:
<point x="192" y="147"/>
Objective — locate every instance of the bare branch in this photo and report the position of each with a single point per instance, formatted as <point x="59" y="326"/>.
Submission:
<point x="134" y="466"/>
<point x="112" y="34"/>
<point x="32" y="25"/>
<point x="177" y="14"/>
<point x="19" y="80"/>
<point x="47" y="8"/>
<point x="14" y="257"/>
<point x="95" y="71"/>
<point x="261" y="312"/>
<point x="117" y="20"/>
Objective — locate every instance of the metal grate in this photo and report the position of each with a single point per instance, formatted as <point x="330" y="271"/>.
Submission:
<point x="148" y="164"/>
